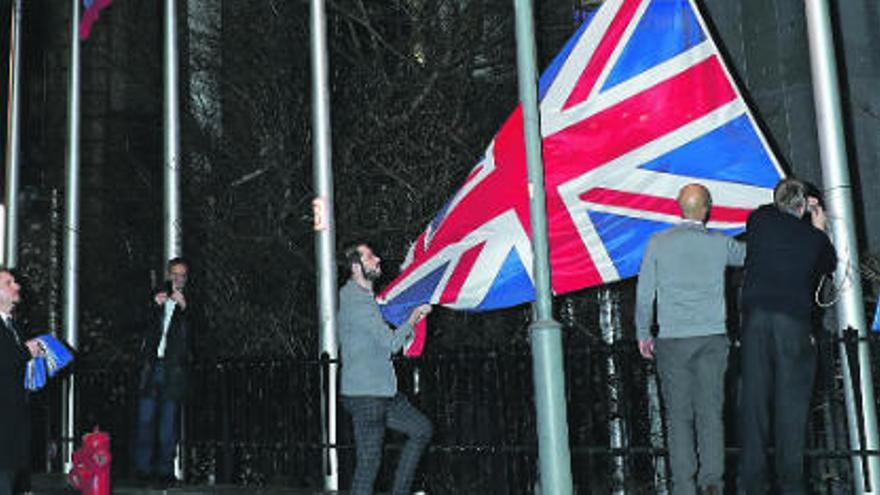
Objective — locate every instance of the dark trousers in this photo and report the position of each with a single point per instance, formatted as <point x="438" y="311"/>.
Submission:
<point x="156" y="428"/>
<point x="691" y="374"/>
<point x="7" y="479"/>
<point x="778" y="367"/>
<point x="370" y="416"/>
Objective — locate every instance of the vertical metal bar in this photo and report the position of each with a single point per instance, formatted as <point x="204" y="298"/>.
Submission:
<point x="172" y="226"/>
<point x="325" y="238"/>
<point x="53" y="303"/>
<point x="171" y="123"/>
<point x="71" y="235"/>
<point x="546" y="333"/>
<point x="13" y="118"/>
<point x="54" y="259"/>
<point x="609" y="323"/>
<point x="655" y="413"/>
<point x="838" y="199"/>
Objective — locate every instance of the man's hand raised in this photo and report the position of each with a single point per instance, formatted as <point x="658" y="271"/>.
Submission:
<point x="418" y="313"/>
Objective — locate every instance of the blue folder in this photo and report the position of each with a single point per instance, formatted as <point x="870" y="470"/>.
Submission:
<point x="54" y="358"/>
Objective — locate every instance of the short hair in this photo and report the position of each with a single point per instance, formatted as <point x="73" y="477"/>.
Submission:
<point x="178" y="260"/>
<point x="790" y="196"/>
<point x="351" y="256"/>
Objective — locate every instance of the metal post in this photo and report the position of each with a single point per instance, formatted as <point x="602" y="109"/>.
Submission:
<point x="657" y="435"/>
<point x="71" y="236"/>
<point x="54" y="259"/>
<point x="609" y="322"/>
<point x="546" y="334"/>
<point x="171" y="122"/>
<point x="10" y="251"/>
<point x="172" y="227"/>
<point x="325" y="239"/>
<point x="838" y="199"/>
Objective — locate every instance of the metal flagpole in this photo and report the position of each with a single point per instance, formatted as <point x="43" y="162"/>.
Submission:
<point x="71" y="236"/>
<point x="546" y="334"/>
<point x="10" y="246"/>
<point x="838" y="199"/>
<point x="171" y="177"/>
<point x="172" y="228"/>
<point x="325" y="240"/>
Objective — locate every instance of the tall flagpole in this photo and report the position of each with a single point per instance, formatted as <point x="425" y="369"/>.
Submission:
<point x="546" y="334"/>
<point x="171" y="119"/>
<point x="838" y="198"/>
<point x="10" y="245"/>
<point x="325" y="241"/>
<point x="172" y="228"/>
<point x="71" y="235"/>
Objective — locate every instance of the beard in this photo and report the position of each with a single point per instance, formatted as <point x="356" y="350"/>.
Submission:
<point x="372" y="274"/>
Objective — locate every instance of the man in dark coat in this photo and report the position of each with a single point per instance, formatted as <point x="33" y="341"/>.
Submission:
<point x="15" y="424"/>
<point x="785" y="258"/>
<point x="165" y="354"/>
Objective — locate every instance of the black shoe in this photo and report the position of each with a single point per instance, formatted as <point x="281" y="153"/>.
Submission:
<point x="167" y="481"/>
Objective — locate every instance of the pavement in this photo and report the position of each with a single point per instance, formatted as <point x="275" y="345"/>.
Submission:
<point x="56" y="484"/>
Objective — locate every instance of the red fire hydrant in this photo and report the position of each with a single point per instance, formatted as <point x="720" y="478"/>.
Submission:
<point x="91" y="464"/>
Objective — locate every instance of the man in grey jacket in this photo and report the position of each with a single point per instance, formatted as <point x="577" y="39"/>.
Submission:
<point x="369" y="384"/>
<point x="683" y="269"/>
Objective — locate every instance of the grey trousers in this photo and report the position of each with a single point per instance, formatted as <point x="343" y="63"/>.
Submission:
<point x="691" y="374"/>
<point x="370" y="417"/>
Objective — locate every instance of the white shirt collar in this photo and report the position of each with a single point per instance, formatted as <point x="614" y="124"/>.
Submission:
<point x="689" y="221"/>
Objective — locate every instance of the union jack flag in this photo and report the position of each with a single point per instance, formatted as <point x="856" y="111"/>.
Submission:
<point x="638" y="104"/>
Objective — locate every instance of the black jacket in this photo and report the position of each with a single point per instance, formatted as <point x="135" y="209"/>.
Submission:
<point x="15" y="426"/>
<point x="177" y="350"/>
<point x="785" y="256"/>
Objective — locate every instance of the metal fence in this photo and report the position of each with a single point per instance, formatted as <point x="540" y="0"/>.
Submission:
<point x="258" y="422"/>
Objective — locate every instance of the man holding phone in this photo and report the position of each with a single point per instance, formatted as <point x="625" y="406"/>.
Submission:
<point x="785" y="257"/>
<point x="165" y="351"/>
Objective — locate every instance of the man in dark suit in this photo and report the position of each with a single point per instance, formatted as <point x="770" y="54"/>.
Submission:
<point x="164" y="357"/>
<point x="785" y="257"/>
<point x="15" y="352"/>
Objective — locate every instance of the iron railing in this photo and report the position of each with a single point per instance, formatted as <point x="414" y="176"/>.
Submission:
<point x="257" y="422"/>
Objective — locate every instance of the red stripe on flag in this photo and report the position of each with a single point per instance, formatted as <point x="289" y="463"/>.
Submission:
<point x="600" y="139"/>
<point x="417" y="346"/>
<point x="657" y="204"/>
<point x="460" y="275"/>
<point x="603" y="52"/>
<point x="645" y="117"/>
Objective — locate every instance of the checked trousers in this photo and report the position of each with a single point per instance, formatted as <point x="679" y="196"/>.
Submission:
<point x="371" y="416"/>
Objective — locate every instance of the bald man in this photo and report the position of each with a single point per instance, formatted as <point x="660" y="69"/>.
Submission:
<point x="683" y="270"/>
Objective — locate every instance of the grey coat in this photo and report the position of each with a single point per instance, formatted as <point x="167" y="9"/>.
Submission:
<point x="683" y="268"/>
